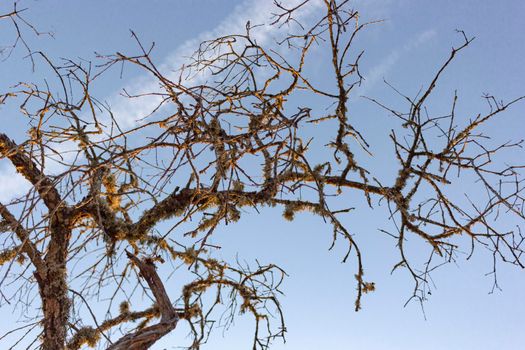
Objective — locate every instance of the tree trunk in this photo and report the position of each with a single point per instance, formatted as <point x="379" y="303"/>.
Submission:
<point x="53" y="288"/>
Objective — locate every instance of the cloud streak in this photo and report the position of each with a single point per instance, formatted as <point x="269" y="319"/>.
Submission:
<point x="377" y="73"/>
<point x="129" y="111"/>
<point x="13" y="185"/>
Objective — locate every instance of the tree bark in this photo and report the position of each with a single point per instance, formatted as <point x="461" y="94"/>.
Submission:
<point x="53" y="288"/>
<point x="144" y="338"/>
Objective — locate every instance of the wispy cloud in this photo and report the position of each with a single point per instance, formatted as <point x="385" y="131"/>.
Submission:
<point x="128" y="111"/>
<point x="13" y="184"/>
<point x="377" y="73"/>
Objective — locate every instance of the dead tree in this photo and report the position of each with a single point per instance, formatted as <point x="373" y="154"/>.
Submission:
<point x="108" y="205"/>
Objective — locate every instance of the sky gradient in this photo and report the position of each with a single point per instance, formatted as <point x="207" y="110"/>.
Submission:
<point x="405" y="49"/>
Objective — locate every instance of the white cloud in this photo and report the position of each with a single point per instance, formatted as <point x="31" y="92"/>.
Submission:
<point x="128" y="111"/>
<point x="377" y="73"/>
<point x="12" y="183"/>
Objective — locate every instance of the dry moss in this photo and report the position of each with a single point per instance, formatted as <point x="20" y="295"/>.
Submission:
<point x="8" y="255"/>
<point x="84" y="336"/>
<point x="112" y="195"/>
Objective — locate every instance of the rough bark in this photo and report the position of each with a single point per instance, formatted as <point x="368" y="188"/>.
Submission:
<point x="51" y="272"/>
<point x="144" y="338"/>
<point x="54" y="290"/>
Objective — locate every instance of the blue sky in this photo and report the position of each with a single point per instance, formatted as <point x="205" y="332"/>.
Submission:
<point x="319" y="292"/>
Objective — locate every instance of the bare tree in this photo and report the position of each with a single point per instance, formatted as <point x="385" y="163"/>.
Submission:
<point x="108" y="205"/>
